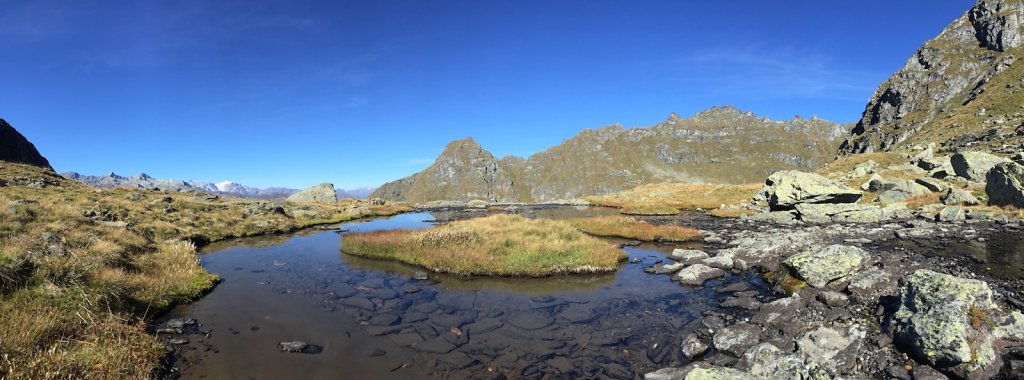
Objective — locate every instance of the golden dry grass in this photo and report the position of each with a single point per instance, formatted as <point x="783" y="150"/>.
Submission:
<point x="630" y="228"/>
<point x="74" y="291"/>
<point x="497" y="245"/>
<point x="846" y="164"/>
<point x="672" y="197"/>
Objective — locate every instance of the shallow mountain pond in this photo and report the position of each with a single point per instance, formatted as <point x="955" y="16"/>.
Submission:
<point x="999" y="254"/>
<point x="370" y="319"/>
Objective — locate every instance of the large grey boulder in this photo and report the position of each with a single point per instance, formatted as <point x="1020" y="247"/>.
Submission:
<point x="974" y="165"/>
<point x="898" y="190"/>
<point x="819" y="267"/>
<point x="1004" y="185"/>
<point x="736" y="339"/>
<point x="956" y="196"/>
<point x="934" y="322"/>
<point x="788" y="188"/>
<point x="719" y="373"/>
<point x="323" y="192"/>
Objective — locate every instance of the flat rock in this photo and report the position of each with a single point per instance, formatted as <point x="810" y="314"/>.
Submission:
<point x="688" y="256"/>
<point x="736" y="339"/>
<point x="819" y="267"/>
<point x="697" y="274"/>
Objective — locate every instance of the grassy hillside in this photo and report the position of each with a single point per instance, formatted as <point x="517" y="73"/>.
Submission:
<point x="81" y="268"/>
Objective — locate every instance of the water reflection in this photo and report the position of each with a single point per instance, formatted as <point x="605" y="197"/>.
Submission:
<point x="374" y="321"/>
<point x="1000" y="255"/>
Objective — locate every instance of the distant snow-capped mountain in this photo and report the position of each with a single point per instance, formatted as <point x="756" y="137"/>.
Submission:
<point x="230" y="188"/>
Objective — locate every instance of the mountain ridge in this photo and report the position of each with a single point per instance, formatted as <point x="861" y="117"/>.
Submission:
<point x="227" y="188"/>
<point x="613" y="158"/>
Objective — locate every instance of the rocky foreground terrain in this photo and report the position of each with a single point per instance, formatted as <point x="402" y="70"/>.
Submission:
<point x="853" y="305"/>
<point x="719" y="145"/>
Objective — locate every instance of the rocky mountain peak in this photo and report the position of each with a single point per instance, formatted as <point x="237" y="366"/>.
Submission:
<point x="16" y="148"/>
<point x="720" y="114"/>
<point x="961" y="88"/>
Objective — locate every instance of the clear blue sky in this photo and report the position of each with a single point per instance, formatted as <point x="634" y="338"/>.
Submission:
<point x="294" y="93"/>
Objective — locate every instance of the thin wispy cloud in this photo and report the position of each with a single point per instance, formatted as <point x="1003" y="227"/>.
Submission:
<point x="776" y="73"/>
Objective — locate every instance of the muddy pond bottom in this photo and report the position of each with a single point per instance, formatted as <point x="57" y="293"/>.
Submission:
<point x="369" y="319"/>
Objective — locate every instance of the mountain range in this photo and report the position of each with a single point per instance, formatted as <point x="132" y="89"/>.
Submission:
<point x="144" y="181"/>
<point x="718" y="145"/>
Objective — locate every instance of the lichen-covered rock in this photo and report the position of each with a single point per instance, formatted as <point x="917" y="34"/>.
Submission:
<point x="736" y="339"/>
<point x="719" y="373"/>
<point x="697" y="274"/>
<point x="1004" y="185"/>
<point x="323" y="192"/>
<point x="766" y="360"/>
<point x="840" y="213"/>
<point x="934" y="323"/>
<point x="974" y="165"/>
<point x="950" y="214"/>
<point x="898" y="190"/>
<point x="688" y="256"/>
<point x="788" y="188"/>
<point x="693" y="347"/>
<point x="722" y="260"/>
<point x="962" y="197"/>
<point x="777" y="217"/>
<point x="819" y="267"/>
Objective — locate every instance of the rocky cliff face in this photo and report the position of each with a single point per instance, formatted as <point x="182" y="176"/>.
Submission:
<point x="16" y="148"/>
<point x="962" y="88"/>
<point x="720" y="145"/>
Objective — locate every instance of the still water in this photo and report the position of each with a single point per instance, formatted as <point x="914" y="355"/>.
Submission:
<point x="373" y="321"/>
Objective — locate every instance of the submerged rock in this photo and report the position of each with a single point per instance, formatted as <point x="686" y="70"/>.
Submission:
<point x="788" y="188"/>
<point x="819" y="267"/>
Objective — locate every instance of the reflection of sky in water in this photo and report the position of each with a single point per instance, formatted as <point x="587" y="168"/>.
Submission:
<point x="300" y="286"/>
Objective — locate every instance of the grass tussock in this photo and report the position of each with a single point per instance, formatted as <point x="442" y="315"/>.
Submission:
<point x="81" y="268"/>
<point x="630" y="228"/>
<point x="497" y="245"/>
<point x="669" y="198"/>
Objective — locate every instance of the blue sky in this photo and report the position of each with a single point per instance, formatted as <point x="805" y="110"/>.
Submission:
<point x="294" y="93"/>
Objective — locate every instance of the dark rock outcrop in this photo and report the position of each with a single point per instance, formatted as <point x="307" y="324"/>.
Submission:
<point x="1004" y="185"/>
<point x="16" y="148"/>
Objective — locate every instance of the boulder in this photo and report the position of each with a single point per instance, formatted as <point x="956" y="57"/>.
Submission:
<point x="1004" y="185"/>
<point x="955" y="196"/>
<point x="785" y="189"/>
<point x="864" y="168"/>
<point x="777" y="217"/>
<point x="974" y="165"/>
<point x="829" y="213"/>
<point x="697" y="274"/>
<point x="688" y="256"/>
<point x="934" y="322"/>
<point x="693" y="347"/>
<point x="867" y="185"/>
<point x="951" y="214"/>
<point x="819" y="267"/>
<point x="736" y="339"/>
<point x="933" y="163"/>
<point x="323" y="192"/>
<point x="767" y="361"/>
<point x="719" y="373"/>
<point x="933" y="185"/>
<point x="898" y="190"/>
